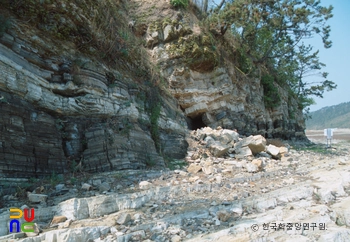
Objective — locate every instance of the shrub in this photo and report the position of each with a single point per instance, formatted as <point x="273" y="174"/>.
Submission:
<point x="153" y="107"/>
<point x="272" y="98"/>
<point x="244" y="62"/>
<point x="55" y="179"/>
<point x="150" y="162"/>
<point x="179" y="3"/>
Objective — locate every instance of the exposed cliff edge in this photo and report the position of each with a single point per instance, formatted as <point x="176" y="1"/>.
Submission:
<point x="72" y="93"/>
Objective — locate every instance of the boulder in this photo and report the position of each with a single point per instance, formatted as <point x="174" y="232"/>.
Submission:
<point x="36" y="231"/>
<point x="341" y="212"/>
<point x="257" y="144"/>
<point x="209" y="140"/>
<point x="218" y="149"/>
<point x="37" y="198"/>
<point x="273" y="150"/>
<point x="58" y="219"/>
<point x="169" y="33"/>
<point x="194" y="168"/>
<point x="59" y="187"/>
<point x="193" y="179"/>
<point x="283" y="150"/>
<point x="251" y="167"/>
<point x="258" y="163"/>
<point x="104" y="187"/>
<point x="86" y="186"/>
<point x="97" y="182"/>
<point x="342" y="161"/>
<point x="263" y="154"/>
<point x="151" y="41"/>
<point x="242" y="152"/>
<point x="234" y="135"/>
<point x="176" y="238"/>
<point x="224" y="138"/>
<point x="223" y="215"/>
<point x="124" y="218"/>
<point x="208" y="168"/>
<point x="66" y="224"/>
<point x="145" y="185"/>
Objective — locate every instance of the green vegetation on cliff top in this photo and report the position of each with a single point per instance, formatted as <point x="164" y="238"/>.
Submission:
<point x="266" y="38"/>
<point x="269" y="42"/>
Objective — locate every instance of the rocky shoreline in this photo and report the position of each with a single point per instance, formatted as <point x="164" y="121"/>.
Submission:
<point x="227" y="198"/>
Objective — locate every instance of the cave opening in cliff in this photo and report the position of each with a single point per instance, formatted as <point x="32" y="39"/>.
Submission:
<point x="196" y="122"/>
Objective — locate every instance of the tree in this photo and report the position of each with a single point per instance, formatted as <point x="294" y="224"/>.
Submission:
<point x="220" y="5"/>
<point x="270" y="34"/>
<point x="205" y="6"/>
<point x="308" y="64"/>
<point x="261" y="26"/>
<point x="297" y="70"/>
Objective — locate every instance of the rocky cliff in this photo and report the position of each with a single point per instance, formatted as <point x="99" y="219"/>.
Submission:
<point x="116" y="85"/>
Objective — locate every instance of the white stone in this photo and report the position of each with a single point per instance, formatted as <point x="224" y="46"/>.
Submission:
<point x="86" y="186"/>
<point x="283" y="150"/>
<point x="176" y="238"/>
<point x="258" y="163"/>
<point x="273" y="150"/>
<point x="37" y="198"/>
<point x="251" y="167"/>
<point x="36" y="231"/>
<point x="257" y="144"/>
<point x="217" y="149"/>
<point x="145" y="185"/>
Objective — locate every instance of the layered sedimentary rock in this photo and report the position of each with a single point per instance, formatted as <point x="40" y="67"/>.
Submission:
<point x="53" y="120"/>
<point x="63" y="109"/>
<point x="219" y="98"/>
<point x="220" y="94"/>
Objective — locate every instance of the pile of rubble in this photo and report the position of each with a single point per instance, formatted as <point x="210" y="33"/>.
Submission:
<point x="207" y="142"/>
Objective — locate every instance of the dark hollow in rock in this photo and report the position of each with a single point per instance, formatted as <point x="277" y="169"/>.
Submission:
<point x="196" y="122"/>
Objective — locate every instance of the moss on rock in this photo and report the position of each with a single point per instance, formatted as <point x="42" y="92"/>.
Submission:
<point x="197" y="51"/>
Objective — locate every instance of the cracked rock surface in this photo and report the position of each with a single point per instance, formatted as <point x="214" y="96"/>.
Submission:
<point x="302" y="196"/>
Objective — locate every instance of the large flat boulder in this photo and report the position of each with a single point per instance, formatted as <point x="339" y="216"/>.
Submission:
<point x="273" y="150"/>
<point x="218" y="149"/>
<point x="256" y="144"/>
<point x="243" y="152"/>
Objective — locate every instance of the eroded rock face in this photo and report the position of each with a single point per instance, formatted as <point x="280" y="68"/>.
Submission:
<point x="218" y="94"/>
<point x="61" y="110"/>
<point x="221" y="98"/>
<point x="30" y="141"/>
<point x="55" y="119"/>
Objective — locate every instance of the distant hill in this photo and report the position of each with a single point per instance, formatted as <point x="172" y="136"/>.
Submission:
<point x="337" y="116"/>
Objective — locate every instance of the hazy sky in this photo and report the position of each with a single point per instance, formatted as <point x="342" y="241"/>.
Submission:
<point x="337" y="58"/>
